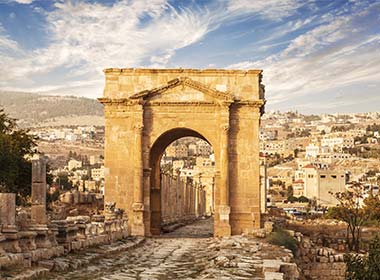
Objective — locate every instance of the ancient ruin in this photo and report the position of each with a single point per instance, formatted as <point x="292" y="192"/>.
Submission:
<point x="147" y="109"/>
<point x="28" y="236"/>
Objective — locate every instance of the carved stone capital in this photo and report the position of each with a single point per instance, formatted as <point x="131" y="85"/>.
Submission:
<point x="146" y="172"/>
<point x="224" y="212"/>
<point x="224" y="209"/>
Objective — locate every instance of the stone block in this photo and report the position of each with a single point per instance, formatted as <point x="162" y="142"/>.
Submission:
<point x="273" y="276"/>
<point x="271" y="265"/>
<point x="8" y="212"/>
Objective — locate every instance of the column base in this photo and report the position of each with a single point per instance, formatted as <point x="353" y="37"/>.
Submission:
<point x="138" y="227"/>
<point x="222" y="227"/>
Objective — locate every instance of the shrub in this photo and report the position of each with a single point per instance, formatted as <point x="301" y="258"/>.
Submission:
<point x="303" y="199"/>
<point x="281" y="237"/>
<point x="364" y="267"/>
<point x="292" y="199"/>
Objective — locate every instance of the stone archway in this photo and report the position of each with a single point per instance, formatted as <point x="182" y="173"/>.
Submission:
<point x="156" y="153"/>
<point x="145" y="108"/>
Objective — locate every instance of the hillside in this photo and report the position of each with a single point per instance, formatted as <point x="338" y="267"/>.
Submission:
<point x="33" y="109"/>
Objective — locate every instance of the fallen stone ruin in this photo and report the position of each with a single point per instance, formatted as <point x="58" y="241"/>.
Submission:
<point x="29" y="236"/>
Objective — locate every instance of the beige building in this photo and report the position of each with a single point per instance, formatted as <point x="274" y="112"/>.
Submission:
<point x="97" y="174"/>
<point x="203" y="148"/>
<point x="203" y="161"/>
<point x="312" y="151"/>
<point x="181" y="151"/>
<point x="284" y="174"/>
<point x="319" y="182"/>
<point x="178" y="164"/>
<point x="298" y="188"/>
<point x="192" y="149"/>
<point x="170" y="151"/>
<point x="73" y="164"/>
<point x="94" y="159"/>
<point x="338" y="143"/>
<point x="90" y="185"/>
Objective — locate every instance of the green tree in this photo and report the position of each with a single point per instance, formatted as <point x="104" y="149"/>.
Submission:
<point x="303" y="199"/>
<point x="64" y="182"/>
<point x="365" y="267"/>
<point x="372" y="206"/>
<point x="289" y="191"/>
<point x="292" y="199"/>
<point x="351" y="212"/>
<point x="16" y="146"/>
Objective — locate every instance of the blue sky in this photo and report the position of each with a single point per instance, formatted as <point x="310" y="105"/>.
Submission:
<point x="317" y="55"/>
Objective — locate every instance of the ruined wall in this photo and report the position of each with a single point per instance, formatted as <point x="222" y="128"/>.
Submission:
<point x="30" y="236"/>
<point x="318" y="262"/>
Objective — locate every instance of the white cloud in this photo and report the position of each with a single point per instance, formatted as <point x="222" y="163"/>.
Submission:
<point x="24" y="1"/>
<point x="332" y="55"/>
<point x="86" y="38"/>
<point x="319" y="37"/>
<point x="272" y="9"/>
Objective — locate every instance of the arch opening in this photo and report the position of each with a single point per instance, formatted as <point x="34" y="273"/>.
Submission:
<point x="182" y="181"/>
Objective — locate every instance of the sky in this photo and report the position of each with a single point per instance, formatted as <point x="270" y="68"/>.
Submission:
<point x="318" y="56"/>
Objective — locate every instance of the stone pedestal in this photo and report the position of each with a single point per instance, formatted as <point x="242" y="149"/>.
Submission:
<point x="222" y="226"/>
<point x="138" y="228"/>
<point x="8" y="212"/>
<point x="39" y="189"/>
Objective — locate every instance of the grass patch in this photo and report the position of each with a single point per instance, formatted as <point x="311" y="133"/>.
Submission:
<point x="281" y="237"/>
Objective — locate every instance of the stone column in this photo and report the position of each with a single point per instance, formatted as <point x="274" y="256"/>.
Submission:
<point x="138" y="228"/>
<point x="8" y="212"/>
<point x="223" y="227"/>
<point x="146" y="185"/>
<point x="39" y="189"/>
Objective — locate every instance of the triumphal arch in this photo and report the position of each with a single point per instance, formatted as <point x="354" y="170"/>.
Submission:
<point x="147" y="109"/>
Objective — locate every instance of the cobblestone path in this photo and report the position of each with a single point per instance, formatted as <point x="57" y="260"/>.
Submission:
<point x="182" y="254"/>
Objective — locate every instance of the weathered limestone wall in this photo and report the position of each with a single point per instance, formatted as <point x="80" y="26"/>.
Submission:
<point x="317" y="262"/>
<point x="244" y="172"/>
<point x="181" y="200"/>
<point x="122" y="83"/>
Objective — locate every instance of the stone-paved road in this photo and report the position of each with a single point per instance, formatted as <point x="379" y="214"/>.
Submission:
<point x="182" y="254"/>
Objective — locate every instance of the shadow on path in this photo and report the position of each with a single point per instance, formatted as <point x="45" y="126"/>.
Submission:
<point x="202" y="228"/>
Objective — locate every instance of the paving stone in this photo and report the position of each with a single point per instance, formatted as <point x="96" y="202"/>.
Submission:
<point x="182" y="256"/>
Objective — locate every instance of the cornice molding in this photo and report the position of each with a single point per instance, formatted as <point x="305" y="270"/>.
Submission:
<point x="184" y="81"/>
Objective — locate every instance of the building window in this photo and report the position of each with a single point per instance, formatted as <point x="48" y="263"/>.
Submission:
<point x="323" y="176"/>
<point x="333" y="176"/>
